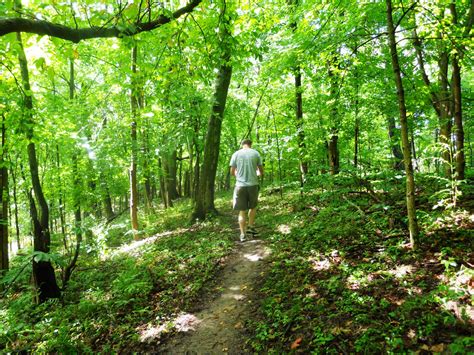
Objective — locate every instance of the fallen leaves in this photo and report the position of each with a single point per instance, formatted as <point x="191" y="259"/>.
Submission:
<point x="296" y="343"/>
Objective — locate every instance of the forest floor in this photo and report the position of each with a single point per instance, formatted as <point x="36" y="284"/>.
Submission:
<point x="218" y="325"/>
<point x="330" y="273"/>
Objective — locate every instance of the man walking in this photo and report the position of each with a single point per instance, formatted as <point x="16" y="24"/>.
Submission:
<point x="246" y="166"/>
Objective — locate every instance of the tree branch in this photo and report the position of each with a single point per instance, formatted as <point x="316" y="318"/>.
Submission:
<point x="41" y="27"/>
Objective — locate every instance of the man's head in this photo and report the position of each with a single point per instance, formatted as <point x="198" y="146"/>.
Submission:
<point x="246" y="143"/>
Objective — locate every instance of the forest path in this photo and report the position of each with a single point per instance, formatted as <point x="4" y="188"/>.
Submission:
<point x="220" y="325"/>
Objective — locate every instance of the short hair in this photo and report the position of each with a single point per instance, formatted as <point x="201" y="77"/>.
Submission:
<point x="247" y="142"/>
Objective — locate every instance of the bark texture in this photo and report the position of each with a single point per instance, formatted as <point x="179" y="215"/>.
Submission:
<point x="410" y="180"/>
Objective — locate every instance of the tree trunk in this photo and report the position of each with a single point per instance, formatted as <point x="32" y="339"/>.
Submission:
<point x="133" y="166"/>
<point x="204" y="201"/>
<point x="445" y="122"/>
<point x="410" y="181"/>
<point x="333" y="149"/>
<point x="171" y="163"/>
<point x="356" y="113"/>
<point x="457" y="98"/>
<point x="299" y="107"/>
<point x="3" y="203"/>
<point x="333" y="154"/>
<point x="394" y="137"/>
<point x="107" y="202"/>
<point x="43" y="272"/>
<point x="146" y="167"/>
<point x="77" y="192"/>
<point x="299" y="126"/>
<point x="15" y="201"/>
<point x="440" y="100"/>
<point x="62" y="217"/>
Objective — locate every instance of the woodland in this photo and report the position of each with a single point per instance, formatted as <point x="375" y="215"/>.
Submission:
<point x="119" y="119"/>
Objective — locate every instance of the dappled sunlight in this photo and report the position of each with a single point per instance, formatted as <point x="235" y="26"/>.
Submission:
<point x="463" y="312"/>
<point x="284" y="229"/>
<point x="321" y="262"/>
<point x="257" y="256"/>
<point x="134" y="248"/>
<point x="184" y="322"/>
<point x="401" y="271"/>
<point x="235" y="292"/>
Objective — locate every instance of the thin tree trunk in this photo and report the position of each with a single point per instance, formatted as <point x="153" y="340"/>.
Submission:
<point x="356" y="123"/>
<point x="133" y="167"/>
<point x="440" y="100"/>
<point x="62" y="217"/>
<point x="3" y="203"/>
<point x="457" y="98"/>
<point x="171" y="162"/>
<point x="15" y="201"/>
<point x="280" y="177"/>
<point x="43" y="272"/>
<point x="77" y="191"/>
<point x="410" y="181"/>
<point x="163" y="192"/>
<point x="299" y="108"/>
<point x="146" y="167"/>
<point x="413" y="150"/>
<point x="394" y="137"/>
<point x="333" y="149"/>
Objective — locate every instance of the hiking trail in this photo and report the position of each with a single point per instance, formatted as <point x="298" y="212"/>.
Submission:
<point x="219" y="326"/>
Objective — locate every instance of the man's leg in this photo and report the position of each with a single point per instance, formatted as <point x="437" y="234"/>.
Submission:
<point x="252" y="214"/>
<point x="253" y="199"/>
<point x="243" y="222"/>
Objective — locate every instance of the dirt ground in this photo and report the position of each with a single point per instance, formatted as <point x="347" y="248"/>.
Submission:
<point x="220" y="326"/>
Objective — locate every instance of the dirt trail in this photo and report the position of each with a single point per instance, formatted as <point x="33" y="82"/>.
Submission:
<point x="219" y="327"/>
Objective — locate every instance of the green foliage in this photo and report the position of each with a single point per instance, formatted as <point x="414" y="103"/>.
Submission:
<point x="108" y="298"/>
<point x="341" y="283"/>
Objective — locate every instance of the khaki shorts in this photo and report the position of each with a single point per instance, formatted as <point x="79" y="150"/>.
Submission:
<point x="245" y="197"/>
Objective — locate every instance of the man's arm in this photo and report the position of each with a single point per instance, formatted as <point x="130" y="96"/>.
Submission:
<point x="260" y="170"/>
<point x="233" y="170"/>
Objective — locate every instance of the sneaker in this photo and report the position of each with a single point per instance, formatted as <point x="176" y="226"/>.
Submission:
<point x="252" y="232"/>
<point x="242" y="237"/>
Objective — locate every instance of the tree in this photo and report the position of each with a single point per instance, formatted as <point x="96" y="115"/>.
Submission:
<point x="410" y="180"/>
<point x="43" y="272"/>
<point x="3" y="202"/>
<point x="134" y="107"/>
<point x="204" y="201"/>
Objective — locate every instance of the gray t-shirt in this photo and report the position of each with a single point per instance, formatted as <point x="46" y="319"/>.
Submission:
<point x="246" y="161"/>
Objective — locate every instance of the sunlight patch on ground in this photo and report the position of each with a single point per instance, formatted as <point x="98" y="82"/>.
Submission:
<point x="258" y="255"/>
<point x="186" y="322"/>
<point x="319" y="264"/>
<point x="462" y="283"/>
<point x="284" y="229"/>
<point x="401" y="271"/>
<point x="134" y="248"/>
<point x="182" y="323"/>
<point x="235" y="292"/>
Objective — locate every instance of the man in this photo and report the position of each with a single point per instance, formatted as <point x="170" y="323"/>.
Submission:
<point x="246" y="166"/>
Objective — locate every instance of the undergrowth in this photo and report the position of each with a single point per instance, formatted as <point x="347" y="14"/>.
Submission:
<point x="119" y="287"/>
<point x="342" y="279"/>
